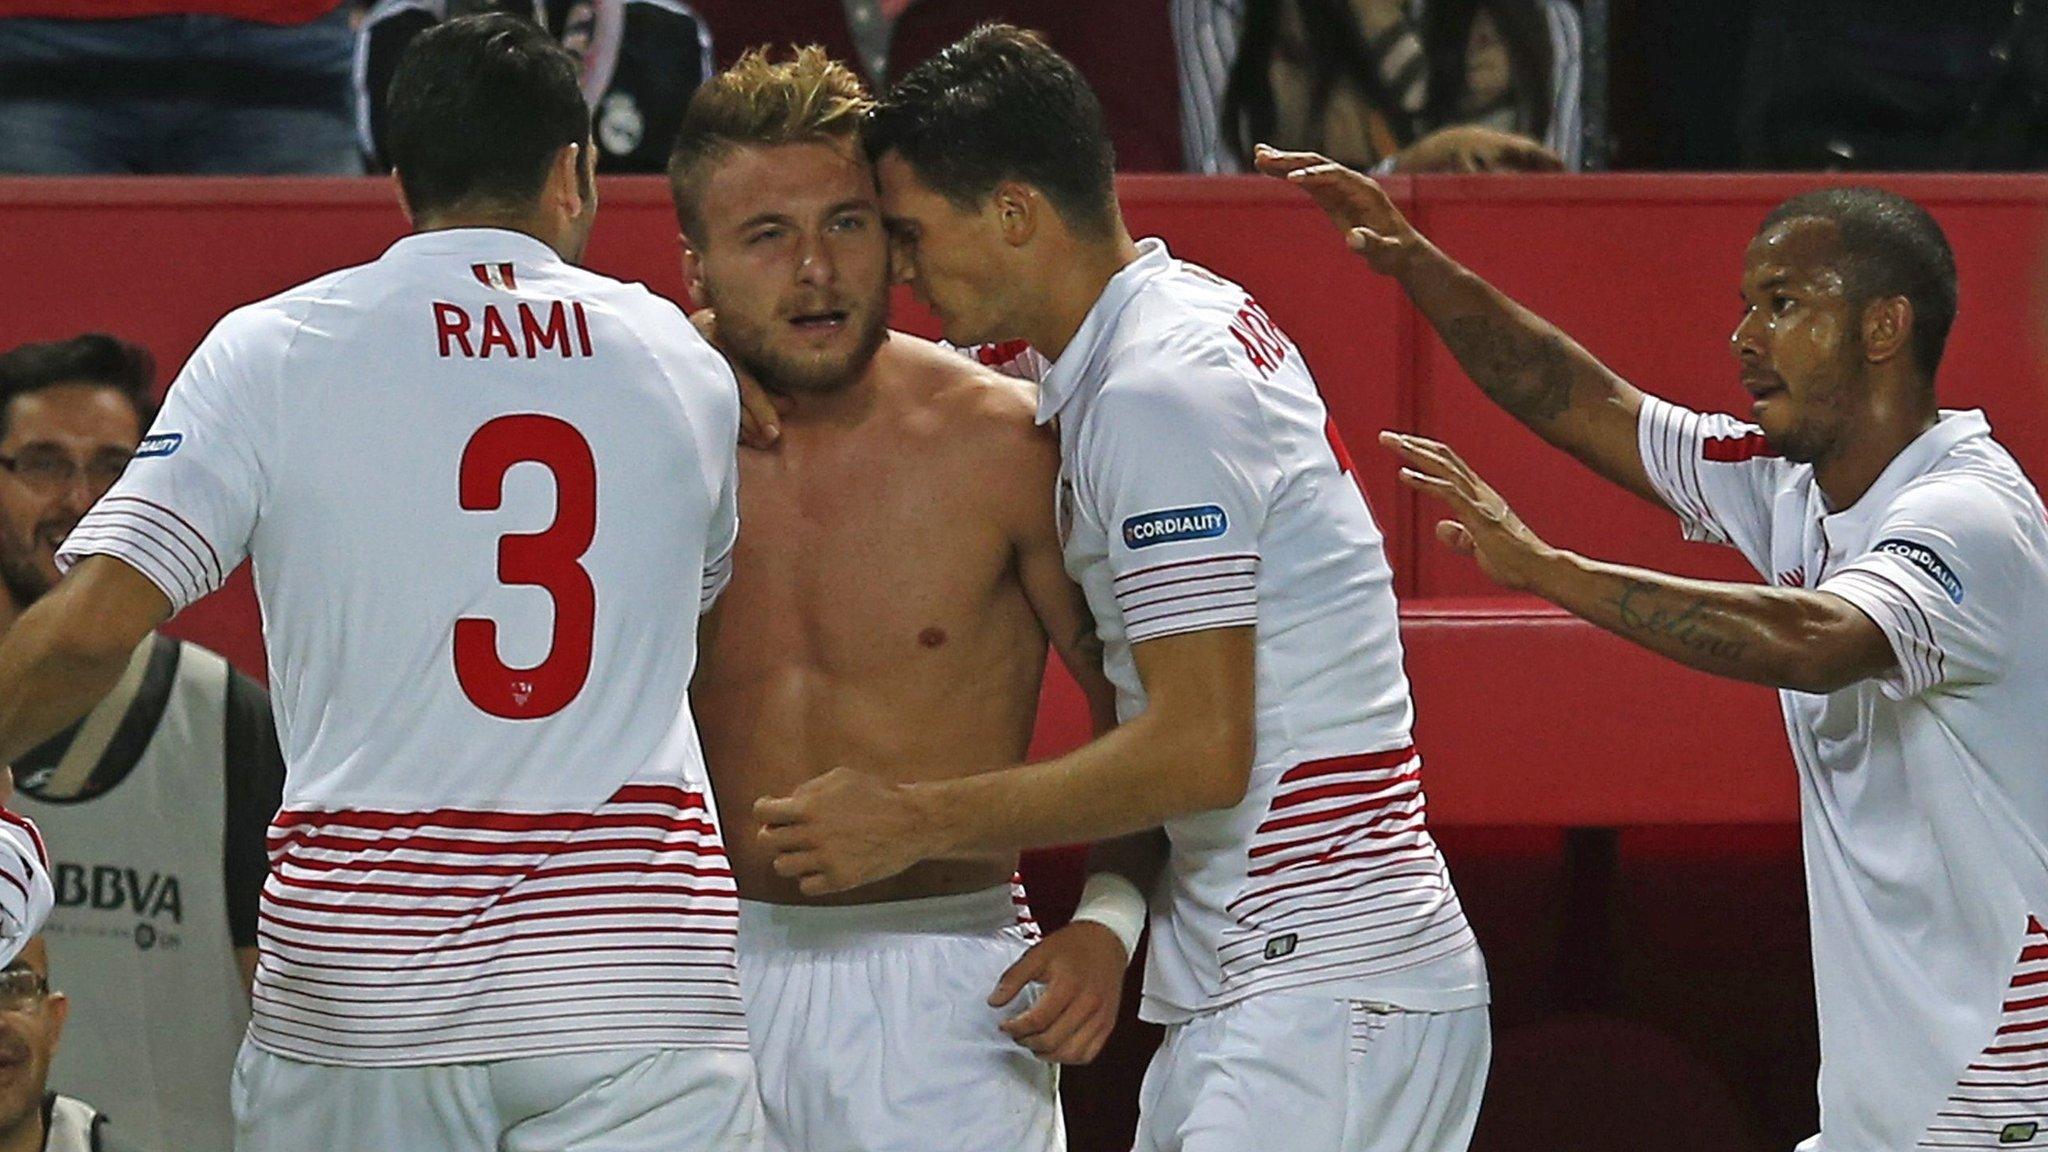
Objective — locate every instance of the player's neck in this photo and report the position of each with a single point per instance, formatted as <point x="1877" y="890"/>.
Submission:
<point x="840" y="407"/>
<point x="1871" y="444"/>
<point x="9" y="610"/>
<point x="1077" y="281"/>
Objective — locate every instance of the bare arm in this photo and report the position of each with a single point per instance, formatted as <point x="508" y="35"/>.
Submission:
<point x="1060" y="605"/>
<point x="69" y="648"/>
<point x="1793" y="638"/>
<point x="1189" y="751"/>
<point x="1524" y="363"/>
<point x="1785" y="637"/>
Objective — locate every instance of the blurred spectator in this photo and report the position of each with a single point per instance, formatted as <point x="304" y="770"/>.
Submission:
<point x="641" y="60"/>
<point x="155" y="806"/>
<point x="1868" y="84"/>
<point x="1362" y="79"/>
<point x="1124" y="48"/>
<point x="33" y="1118"/>
<point x="151" y="87"/>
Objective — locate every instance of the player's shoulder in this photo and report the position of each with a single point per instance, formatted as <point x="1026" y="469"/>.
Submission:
<point x="1183" y="328"/>
<point x="962" y="400"/>
<point x="955" y="385"/>
<point x="1971" y="496"/>
<point x="265" y="330"/>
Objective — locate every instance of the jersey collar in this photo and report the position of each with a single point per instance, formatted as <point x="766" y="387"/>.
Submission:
<point x="481" y="243"/>
<point x="1951" y="428"/>
<point x="1079" y="363"/>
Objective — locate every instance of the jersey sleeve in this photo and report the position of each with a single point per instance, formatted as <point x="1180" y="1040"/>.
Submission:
<point x="26" y="896"/>
<point x="725" y="532"/>
<point x="1944" y="574"/>
<point x="1179" y="471"/>
<point x="255" y="791"/>
<point x="1716" y="472"/>
<point x="183" y="512"/>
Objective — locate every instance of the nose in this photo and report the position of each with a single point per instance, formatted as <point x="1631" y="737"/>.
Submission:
<point x="79" y="495"/>
<point x="1746" y="342"/>
<point x="815" y="265"/>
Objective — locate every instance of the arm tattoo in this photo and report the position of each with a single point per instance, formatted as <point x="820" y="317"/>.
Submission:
<point x="1640" y="611"/>
<point x="1528" y="373"/>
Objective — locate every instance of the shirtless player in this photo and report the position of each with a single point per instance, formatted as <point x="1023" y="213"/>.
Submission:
<point x="894" y="588"/>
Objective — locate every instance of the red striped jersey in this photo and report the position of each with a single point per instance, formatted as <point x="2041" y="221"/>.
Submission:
<point x="474" y="481"/>
<point x="26" y="896"/>
<point x="1203" y="486"/>
<point x="1923" y="803"/>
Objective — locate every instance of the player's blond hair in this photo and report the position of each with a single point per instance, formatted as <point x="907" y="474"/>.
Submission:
<point x="809" y="99"/>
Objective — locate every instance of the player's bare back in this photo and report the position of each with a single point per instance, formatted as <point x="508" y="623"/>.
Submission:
<point x="876" y="618"/>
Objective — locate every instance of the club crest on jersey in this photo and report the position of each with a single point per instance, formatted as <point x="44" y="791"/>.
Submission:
<point x="160" y="444"/>
<point x="1173" y="525"/>
<point x="497" y="276"/>
<point x="1922" y="557"/>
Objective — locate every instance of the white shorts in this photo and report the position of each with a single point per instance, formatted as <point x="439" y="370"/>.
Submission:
<point x="633" y="1100"/>
<point x="1315" y="1074"/>
<point x="872" y="1031"/>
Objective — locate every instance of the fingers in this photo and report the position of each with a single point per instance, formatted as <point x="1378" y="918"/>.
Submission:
<point x="1032" y="1022"/>
<point x="1064" y="1027"/>
<point x="760" y="423"/>
<point x="1030" y="966"/>
<point x="1433" y="457"/>
<point x="822" y="884"/>
<point x="774" y="810"/>
<point x="1274" y="162"/>
<point x="796" y="865"/>
<point x="1419" y="453"/>
<point x="1456" y="537"/>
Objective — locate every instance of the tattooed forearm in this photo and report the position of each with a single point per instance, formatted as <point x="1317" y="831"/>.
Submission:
<point x="1526" y="371"/>
<point x="1643" y="609"/>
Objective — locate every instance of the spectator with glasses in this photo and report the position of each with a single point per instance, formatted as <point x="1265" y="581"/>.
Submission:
<point x="156" y="889"/>
<point x="32" y="1015"/>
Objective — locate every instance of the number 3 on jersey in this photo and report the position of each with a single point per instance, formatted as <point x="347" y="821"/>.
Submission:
<point x="550" y="559"/>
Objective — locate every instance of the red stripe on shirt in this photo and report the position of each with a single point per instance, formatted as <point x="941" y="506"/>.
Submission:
<point x="1735" y="449"/>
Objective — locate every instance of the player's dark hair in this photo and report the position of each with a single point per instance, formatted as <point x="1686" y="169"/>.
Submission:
<point x="1887" y="246"/>
<point x="478" y="109"/>
<point x="94" y="358"/>
<point x="1000" y="104"/>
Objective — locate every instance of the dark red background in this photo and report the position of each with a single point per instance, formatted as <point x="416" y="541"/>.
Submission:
<point x="1652" y="985"/>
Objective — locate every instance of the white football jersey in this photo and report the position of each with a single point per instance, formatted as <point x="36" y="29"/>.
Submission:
<point x="1923" y="799"/>
<point x="26" y="895"/>
<point x="1203" y="486"/>
<point x="475" y="482"/>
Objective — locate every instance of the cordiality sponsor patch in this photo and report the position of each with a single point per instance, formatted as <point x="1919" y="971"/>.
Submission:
<point x="1173" y="525"/>
<point x="1922" y="557"/>
<point x="160" y="444"/>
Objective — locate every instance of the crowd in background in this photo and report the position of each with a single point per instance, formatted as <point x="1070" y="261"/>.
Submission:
<point x="294" y="86"/>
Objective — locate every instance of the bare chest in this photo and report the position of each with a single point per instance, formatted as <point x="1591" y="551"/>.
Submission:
<point x="868" y="558"/>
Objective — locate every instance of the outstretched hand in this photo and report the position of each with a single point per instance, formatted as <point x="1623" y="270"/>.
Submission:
<point x="1484" y="528"/>
<point x="1354" y="202"/>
